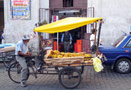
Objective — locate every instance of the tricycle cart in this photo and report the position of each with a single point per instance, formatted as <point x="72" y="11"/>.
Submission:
<point x="69" y="70"/>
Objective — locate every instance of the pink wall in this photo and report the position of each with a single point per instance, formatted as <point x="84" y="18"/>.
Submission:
<point x="77" y="4"/>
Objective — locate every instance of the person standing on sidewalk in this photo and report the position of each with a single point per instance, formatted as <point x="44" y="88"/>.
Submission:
<point x="92" y="41"/>
<point x="1" y="35"/>
<point x="67" y="39"/>
<point x="21" y="52"/>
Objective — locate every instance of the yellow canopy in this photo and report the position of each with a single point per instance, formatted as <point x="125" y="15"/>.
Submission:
<point x="66" y="24"/>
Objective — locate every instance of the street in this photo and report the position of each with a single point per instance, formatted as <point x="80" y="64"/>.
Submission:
<point x="91" y="80"/>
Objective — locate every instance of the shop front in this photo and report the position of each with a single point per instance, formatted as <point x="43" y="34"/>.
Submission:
<point x="65" y="25"/>
<point x="60" y="9"/>
<point x="80" y="37"/>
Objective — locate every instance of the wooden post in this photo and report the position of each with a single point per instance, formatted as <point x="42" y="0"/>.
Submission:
<point x="98" y="39"/>
<point x="95" y="33"/>
<point x="99" y="32"/>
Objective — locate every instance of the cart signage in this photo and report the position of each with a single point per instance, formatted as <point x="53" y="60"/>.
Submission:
<point x="20" y="9"/>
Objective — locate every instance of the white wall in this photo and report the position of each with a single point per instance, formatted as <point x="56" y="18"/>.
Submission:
<point x="44" y="10"/>
<point x="44" y="14"/>
<point x="116" y="15"/>
<point x="44" y="3"/>
<point x="15" y="29"/>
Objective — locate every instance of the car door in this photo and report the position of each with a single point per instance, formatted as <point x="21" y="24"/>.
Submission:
<point x="127" y="48"/>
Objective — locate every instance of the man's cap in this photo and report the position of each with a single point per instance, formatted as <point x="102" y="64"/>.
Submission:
<point x="26" y="37"/>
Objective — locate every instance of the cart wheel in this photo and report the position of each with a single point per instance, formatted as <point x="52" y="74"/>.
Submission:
<point x="70" y="77"/>
<point x="57" y="69"/>
<point x="14" y="72"/>
<point x="81" y="69"/>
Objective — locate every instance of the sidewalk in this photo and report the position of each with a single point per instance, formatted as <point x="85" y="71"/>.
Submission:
<point x="91" y="81"/>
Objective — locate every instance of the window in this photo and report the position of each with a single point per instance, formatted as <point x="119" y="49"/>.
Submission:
<point x="67" y="3"/>
<point x="128" y="45"/>
<point x="118" y="41"/>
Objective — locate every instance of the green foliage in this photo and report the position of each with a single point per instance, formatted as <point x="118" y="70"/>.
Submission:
<point x="43" y="23"/>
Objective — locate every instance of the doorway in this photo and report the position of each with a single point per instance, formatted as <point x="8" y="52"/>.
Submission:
<point x="1" y="18"/>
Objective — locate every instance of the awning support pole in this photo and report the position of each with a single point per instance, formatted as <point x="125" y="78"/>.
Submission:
<point x="99" y="32"/>
<point x="57" y="41"/>
<point x="98" y="39"/>
<point x="95" y="33"/>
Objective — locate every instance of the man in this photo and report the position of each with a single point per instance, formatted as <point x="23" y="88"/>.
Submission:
<point x="21" y="52"/>
<point x="67" y="39"/>
<point x="1" y="34"/>
<point x="92" y="40"/>
<point x="2" y="38"/>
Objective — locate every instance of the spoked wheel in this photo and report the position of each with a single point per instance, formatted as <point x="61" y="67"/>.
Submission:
<point x="81" y="69"/>
<point x="14" y="72"/>
<point x="70" y="77"/>
<point x="58" y="69"/>
<point x="8" y="60"/>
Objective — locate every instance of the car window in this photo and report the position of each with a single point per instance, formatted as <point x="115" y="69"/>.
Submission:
<point x="118" y="41"/>
<point x="128" y="44"/>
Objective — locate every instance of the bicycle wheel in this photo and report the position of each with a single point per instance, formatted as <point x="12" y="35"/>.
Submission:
<point x="70" y="77"/>
<point x="8" y="60"/>
<point x="14" y="72"/>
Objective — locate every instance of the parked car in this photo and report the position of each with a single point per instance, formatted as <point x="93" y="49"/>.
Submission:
<point x="118" y="55"/>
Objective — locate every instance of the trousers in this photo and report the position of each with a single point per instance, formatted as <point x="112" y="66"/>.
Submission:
<point x="66" y="46"/>
<point x="24" y="70"/>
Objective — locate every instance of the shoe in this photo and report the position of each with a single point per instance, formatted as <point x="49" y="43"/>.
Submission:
<point x="39" y="68"/>
<point x="103" y="71"/>
<point x="23" y="84"/>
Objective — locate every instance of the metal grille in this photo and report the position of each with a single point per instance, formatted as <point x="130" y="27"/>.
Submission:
<point x="67" y="3"/>
<point x="43" y="15"/>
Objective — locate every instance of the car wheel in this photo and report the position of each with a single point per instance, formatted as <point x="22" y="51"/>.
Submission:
<point x="123" y="66"/>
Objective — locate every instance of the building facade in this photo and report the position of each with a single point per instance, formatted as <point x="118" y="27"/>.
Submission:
<point x="17" y="23"/>
<point x="1" y="13"/>
<point x="60" y="9"/>
<point x="20" y="17"/>
<point x="116" y="15"/>
<point x="68" y="8"/>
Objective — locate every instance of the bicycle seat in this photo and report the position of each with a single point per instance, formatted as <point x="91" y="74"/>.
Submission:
<point x="29" y="57"/>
